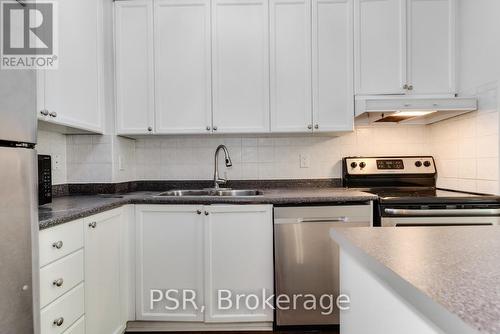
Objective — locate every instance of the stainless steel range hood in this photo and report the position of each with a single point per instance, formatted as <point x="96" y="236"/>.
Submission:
<point x="410" y="109"/>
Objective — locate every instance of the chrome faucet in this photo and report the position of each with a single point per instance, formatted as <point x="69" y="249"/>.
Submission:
<point x="219" y="180"/>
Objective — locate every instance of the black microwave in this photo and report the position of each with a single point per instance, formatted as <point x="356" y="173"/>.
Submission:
<point x="44" y="179"/>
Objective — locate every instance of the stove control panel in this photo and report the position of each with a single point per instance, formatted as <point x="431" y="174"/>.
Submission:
<point x="389" y="165"/>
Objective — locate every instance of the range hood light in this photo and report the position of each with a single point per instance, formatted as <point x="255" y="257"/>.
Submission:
<point x="413" y="113"/>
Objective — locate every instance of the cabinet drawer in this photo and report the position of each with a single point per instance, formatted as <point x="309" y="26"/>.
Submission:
<point x="59" y="241"/>
<point x="78" y="327"/>
<point x="68" y="308"/>
<point x="59" y="277"/>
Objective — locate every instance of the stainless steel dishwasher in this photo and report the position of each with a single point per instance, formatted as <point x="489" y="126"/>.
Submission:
<point x="307" y="260"/>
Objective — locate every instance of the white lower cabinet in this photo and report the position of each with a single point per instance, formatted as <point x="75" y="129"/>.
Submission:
<point x="84" y="278"/>
<point x="103" y="273"/>
<point x="200" y="250"/>
<point x="238" y="260"/>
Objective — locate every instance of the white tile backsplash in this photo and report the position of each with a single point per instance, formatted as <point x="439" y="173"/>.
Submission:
<point x="466" y="147"/>
<point x="268" y="157"/>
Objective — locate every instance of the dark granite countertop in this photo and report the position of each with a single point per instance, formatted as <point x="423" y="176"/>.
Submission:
<point x="68" y="208"/>
<point x="450" y="274"/>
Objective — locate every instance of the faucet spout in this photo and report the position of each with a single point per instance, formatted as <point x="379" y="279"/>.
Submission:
<point x="227" y="158"/>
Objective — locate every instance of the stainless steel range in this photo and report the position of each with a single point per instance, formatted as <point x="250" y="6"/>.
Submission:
<point x="408" y="196"/>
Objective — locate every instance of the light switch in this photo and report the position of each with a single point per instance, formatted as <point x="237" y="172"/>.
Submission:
<point x="304" y="160"/>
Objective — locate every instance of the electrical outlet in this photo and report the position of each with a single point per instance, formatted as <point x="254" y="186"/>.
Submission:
<point x="56" y="162"/>
<point x="121" y="165"/>
<point x="304" y="160"/>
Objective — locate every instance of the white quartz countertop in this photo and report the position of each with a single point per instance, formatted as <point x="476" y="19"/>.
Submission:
<point x="457" y="268"/>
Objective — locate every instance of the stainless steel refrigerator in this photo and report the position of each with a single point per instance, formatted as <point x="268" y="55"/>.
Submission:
<point x="19" y="292"/>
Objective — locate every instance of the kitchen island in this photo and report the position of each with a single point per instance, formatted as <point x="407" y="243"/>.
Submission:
<point x="420" y="280"/>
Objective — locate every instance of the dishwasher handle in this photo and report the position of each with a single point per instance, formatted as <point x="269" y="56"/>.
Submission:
<point x="326" y="220"/>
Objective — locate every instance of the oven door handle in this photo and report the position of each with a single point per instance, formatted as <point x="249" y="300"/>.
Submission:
<point x="442" y="212"/>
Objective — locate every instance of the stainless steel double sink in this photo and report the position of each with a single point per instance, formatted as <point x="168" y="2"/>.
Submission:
<point x="226" y="192"/>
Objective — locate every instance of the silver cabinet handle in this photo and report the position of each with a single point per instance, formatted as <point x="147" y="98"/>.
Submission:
<point x="198" y="212"/>
<point x="58" y="282"/>
<point x="316" y="126"/>
<point x="53" y="114"/>
<point x="57" y="244"/>
<point x="93" y="225"/>
<point x="324" y="220"/>
<point x="310" y="126"/>
<point x="208" y="128"/>
<point x="44" y="112"/>
<point x="150" y="128"/>
<point x="59" y="321"/>
<point x="215" y="128"/>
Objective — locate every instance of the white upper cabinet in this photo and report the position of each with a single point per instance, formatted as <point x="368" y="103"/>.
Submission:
<point x="431" y="45"/>
<point x="380" y="50"/>
<point x="71" y="94"/>
<point x="240" y="66"/>
<point x="134" y="66"/>
<point x="405" y="47"/>
<point x="332" y="50"/>
<point x="182" y="66"/>
<point x="290" y="40"/>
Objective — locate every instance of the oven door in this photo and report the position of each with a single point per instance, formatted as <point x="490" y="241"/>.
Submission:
<point x="451" y="217"/>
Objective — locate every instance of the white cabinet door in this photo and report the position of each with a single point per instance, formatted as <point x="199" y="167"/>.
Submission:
<point x="103" y="273"/>
<point x="182" y="66"/>
<point x="240" y="34"/>
<point x="431" y="46"/>
<point x="380" y="51"/>
<point x="238" y="258"/>
<point x="333" y="86"/>
<point x="134" y="66"/>
<point x="290" y="40"/>
<point x="72" y="93"/>
<point x="169" y="254"/>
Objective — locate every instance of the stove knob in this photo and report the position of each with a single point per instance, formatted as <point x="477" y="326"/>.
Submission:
<point x="362" y="165"/>
<point x="427" y="163"/>
<point x="418" y="163"/>
<point x="354" y="165"/>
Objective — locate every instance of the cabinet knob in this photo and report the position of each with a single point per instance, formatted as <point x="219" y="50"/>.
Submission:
<point x="150" y="128"/>
<point x="316" y="126"/>
<point x="93" y="225"/>
<point x="215" y="128"/>
<point x="58" y="282"/>
<point x="44" y="112"/>
<point x="59" y="321"/>
<point x="410" y="87"/>
<point x="57" y="244"/>
<point x="208" y="128"/>
<point x="310" y="126"/>
<point x="206" y="213"/>
<point x="405" y="86"/>
<point x="53" y="114"/>
<point x="198" y="212"/>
